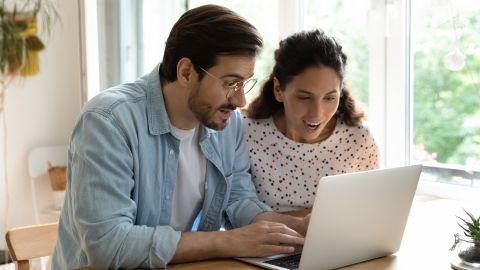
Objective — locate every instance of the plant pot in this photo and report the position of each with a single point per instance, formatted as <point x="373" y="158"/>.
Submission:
<point x="466" y="252"/>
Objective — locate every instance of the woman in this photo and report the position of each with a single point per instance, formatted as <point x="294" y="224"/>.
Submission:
<point x="305" y="124"/>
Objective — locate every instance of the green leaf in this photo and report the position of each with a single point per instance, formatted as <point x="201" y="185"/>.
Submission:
<point x="472" y="227"/>
<point x="471" y="216"/>
<point x="465" y="229"/>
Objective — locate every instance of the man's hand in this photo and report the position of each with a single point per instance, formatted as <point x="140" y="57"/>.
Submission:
<point x="297" y="220"/>
<point x="259" y="239"/>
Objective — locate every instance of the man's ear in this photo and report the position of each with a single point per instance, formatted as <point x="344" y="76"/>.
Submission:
<point x="185" y="71"/>
<point x="277" y="91"/>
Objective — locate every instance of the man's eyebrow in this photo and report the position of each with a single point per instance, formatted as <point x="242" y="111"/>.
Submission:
<point x="235" y="75"/>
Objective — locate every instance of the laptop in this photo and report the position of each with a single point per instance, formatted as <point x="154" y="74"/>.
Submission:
<point x="355" y="217"/>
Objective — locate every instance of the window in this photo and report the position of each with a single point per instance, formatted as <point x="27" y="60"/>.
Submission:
<point x="124" y="39"/>
<point x="403" y="61"/>
<point x="421" y="110"/>
<point x="446" y="90"/>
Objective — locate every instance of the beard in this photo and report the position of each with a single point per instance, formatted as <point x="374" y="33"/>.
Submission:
<point x="205" y="112"/>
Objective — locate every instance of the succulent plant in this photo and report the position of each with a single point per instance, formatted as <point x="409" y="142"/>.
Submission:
<point x="471" y="227"/>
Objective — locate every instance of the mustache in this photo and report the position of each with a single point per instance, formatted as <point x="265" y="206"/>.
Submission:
<point x="228" y="107"/>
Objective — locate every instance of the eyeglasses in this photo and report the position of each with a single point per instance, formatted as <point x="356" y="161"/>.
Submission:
<point x="233" y="87"/>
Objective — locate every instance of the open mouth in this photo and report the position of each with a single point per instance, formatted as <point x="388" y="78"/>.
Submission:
<point x="312" y="125"/>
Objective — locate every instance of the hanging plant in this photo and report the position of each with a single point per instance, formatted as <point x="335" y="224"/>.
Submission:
<point x="19" y="39"/>
<point x="22" y="45"/>
<point x="19" y="47"/>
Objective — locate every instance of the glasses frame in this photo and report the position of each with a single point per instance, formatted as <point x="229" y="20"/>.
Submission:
<point x="233" y="88"/>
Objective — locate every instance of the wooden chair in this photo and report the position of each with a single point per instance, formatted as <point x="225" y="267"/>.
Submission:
<point x="30" y="242"/>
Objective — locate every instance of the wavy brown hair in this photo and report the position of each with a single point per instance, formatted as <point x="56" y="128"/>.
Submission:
<point x="295" y="54"/>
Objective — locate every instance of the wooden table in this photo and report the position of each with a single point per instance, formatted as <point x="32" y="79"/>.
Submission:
<point x="425" y="245"/>
<point x="426" y="242"/>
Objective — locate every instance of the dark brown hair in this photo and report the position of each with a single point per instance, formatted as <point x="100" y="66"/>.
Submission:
<point x="295" y="54"/>
<point x="203" y="33"/>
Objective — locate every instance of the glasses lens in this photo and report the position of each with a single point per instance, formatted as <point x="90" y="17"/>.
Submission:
<point x="248" y="85"/>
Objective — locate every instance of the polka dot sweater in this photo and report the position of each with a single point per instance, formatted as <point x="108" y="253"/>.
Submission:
<point x="286" y="173"/>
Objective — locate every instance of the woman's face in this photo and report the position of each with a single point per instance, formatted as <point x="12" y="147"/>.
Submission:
<point x="310" y="100"/>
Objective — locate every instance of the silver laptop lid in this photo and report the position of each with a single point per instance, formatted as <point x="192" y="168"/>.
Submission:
<point x="359" y="216"/>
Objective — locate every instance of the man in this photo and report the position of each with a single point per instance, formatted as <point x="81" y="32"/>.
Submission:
<point x="147" y="158"/>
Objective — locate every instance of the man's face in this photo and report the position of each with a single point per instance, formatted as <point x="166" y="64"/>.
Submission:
<point x="208" y="99"/>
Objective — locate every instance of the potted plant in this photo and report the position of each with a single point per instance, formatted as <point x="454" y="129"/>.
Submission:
<point x="468" y="245"/>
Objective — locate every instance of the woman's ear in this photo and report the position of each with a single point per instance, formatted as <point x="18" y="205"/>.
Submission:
<point x="277" y="90"/>
<point x="185" y="71"/>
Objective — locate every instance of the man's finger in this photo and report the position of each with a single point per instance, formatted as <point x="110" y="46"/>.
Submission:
<point x="285" y="239"/>
<point x="281" y="228"/>
<point x="269" y="250"/>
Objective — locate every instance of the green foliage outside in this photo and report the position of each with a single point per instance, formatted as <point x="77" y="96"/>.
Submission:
<point x="446" y="107"/>
<point x="447" y="103"/>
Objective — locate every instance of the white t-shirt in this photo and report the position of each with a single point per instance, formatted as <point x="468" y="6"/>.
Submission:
<point x="189" y="188"/>
<point x="286" y="173"/>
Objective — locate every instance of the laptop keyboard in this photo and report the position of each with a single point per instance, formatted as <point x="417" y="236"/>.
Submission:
<point x="288" y="262"/>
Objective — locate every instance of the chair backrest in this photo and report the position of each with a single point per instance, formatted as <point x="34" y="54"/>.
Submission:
<point x="38" y="160"/>
<point x="39" y="157"/>
<point x="29" y="242"/>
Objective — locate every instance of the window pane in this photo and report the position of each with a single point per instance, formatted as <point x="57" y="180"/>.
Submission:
<point x="127" y="48"/>
<point x="446" y="89"/>
<point x="346" y="20"/>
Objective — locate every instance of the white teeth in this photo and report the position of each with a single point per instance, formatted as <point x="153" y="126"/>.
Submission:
<point x="312" y="125"/>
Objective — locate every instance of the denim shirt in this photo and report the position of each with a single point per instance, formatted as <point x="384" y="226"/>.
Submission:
<point x="122" y="166"/>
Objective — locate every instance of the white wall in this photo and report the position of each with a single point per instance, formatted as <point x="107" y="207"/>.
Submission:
<point x="40" y="110"/>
